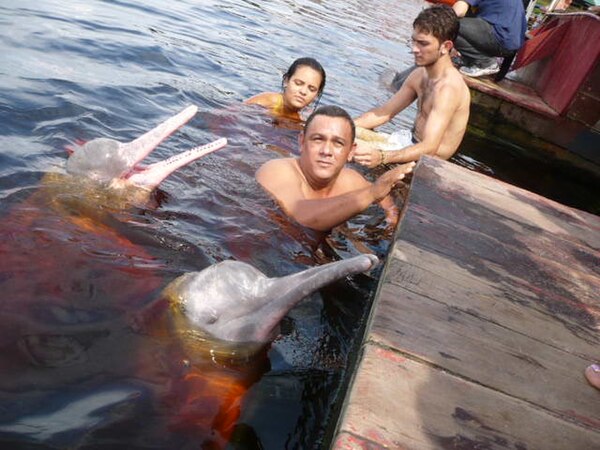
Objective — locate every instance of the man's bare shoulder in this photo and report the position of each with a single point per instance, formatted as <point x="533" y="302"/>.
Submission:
<point x="278" y="174"/>
<point x="277" y="167"/>
<point x="455" y="77"/>
<point x="349" y="180"/>
<point x="415" y="78"/>
<point x="455" y="87"/>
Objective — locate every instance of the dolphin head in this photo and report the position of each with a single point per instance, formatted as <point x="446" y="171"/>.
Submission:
<point x="236" y="303"/>
<point x="118" y="165"/>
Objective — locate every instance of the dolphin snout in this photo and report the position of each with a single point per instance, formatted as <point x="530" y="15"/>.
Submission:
<point x="368" y="262"/>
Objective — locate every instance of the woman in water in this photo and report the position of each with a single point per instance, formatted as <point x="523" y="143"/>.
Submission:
<point x="302" y="84"/>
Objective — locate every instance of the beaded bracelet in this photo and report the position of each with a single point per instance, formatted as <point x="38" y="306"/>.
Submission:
<point x="382" y="155"/>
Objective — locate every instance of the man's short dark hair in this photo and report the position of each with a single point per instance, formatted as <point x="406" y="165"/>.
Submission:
<point x="332" y="111"/>
<point x="440" y="21"/>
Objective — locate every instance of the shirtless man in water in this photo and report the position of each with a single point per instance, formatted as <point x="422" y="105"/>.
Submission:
<point x="316" y="189"/>
<point x="443" y="97"/>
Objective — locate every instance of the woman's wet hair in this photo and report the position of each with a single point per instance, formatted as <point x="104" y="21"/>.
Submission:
<point x="332" y="111"/>
<point x="440" y="21"/>
<point x="309" y="62"/>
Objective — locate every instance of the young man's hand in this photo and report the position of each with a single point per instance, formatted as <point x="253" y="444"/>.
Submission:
<point x="367" y="154"/>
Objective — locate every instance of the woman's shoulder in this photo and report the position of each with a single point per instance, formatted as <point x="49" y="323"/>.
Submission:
<point x="266" y="99"/>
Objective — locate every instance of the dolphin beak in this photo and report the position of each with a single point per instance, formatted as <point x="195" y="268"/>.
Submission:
<point x="136" y="150"/>
<point x="300" y="284"/>
<point x="152" y="175"/>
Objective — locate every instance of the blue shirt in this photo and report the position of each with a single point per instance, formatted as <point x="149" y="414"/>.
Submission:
<point x="507" y="17"/>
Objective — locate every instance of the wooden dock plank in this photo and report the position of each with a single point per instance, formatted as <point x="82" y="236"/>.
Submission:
<point x="487" y="313"/>
<point x="547" y="259"/>
<point x="398" y="403"/>
<point x="510" y="305"/>
<point x="512" y="92"/>
<point x="474" y="203"/>
<point x="487" y="353"/>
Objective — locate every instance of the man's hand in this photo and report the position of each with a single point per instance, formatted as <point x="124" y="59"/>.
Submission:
<point x="384" y="184"/>
<point x="391" y="215"/>
<point x="460" y="8"/>
<point x="367" y="154"/>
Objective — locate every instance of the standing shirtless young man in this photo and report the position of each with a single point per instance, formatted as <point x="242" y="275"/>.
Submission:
<point x="443" y="97"/>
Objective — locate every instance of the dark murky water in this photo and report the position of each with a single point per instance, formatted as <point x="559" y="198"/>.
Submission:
<point x="72" y="71"/>
<point x="75" y="373"/>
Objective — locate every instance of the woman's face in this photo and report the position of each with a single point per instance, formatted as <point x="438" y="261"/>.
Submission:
<point x="301" y="88"/>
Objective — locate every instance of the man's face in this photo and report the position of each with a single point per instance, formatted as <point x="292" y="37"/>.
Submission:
<point x="427" y="49"/>
<point x="325" y="147"/>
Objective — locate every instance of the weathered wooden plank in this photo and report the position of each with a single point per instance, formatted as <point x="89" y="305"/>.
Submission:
<point x="492" y="233"/>
<point x="542" y="256"/>
<point x="476" y="201"/>
<point x="565" y="287"/>
<point x="509" y="304"/>
<point x="400" y="403"/>
<point x="491" y="293"/>
<point x="477" y="349"/>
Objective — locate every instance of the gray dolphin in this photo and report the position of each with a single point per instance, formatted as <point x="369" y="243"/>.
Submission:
<point x="236" y="303"/>
<point x="117" y="164"/>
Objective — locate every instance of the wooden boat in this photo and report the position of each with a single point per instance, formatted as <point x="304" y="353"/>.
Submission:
<point x="550" y="99"/>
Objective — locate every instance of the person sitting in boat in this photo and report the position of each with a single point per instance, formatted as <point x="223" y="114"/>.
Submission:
<point x="316" y="189"/>
<point x="441" y="92"/>
<point x="302" y="84"/>
<point x="497" y="29"/>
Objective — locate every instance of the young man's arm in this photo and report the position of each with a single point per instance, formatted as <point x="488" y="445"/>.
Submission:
<point x="322" y="214"/>
<point x="384" y="113"/>
<point x="368" y="155"/>
<point x="446" y="103"/>
<point x="444" y="107"/>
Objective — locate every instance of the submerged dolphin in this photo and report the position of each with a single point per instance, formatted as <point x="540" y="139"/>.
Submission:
<point x="61" y="236"/>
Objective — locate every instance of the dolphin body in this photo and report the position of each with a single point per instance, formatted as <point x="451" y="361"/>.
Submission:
<point x="230" y="312"/>
<point x="82" y="316"/>
<point x="63" y="235"/>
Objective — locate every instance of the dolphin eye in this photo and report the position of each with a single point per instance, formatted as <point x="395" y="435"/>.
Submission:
<point x="212" y="319"/>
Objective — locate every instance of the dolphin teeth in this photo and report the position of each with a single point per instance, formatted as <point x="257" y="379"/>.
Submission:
<point x="153" y="174"/>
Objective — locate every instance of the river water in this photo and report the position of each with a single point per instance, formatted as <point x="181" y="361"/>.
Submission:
<point x="74" y="71"/>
